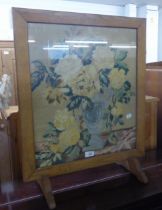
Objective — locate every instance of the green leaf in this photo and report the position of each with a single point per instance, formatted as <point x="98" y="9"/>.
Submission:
<point x="116" y="120"/>
<point x="109" y="107"/>
<point x="38" y="156"/>
<point x="67" y="90"/>
<point x="127" y="85"/>
<point x="43" y="155"/>
<point x="120" y="55"/>
<point x="120" y="116"/>
<point x="36" y="78"/>
<point x="39" y="66"/>
<point x="72" y="153"/>
<point x="53" y="81"/>
<point x="46" y="163"/>
<point x="104" y="80"/>
<point x="75" y="102"/>
<point x="111" y="117"/>
<point x="119" y="120"/>
<point x="106" y="71"/>
<point x="88" y="104"/>
<point x="57" y="158"/>
<point x="85" y="136"/>
<point x="52" y="132"/>
<point x="112" y="139"/>
<point x="122" y="65"/>
<point x="68" y="150"/>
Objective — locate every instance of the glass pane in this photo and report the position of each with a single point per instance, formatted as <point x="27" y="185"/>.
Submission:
<point x="83" y="81"/>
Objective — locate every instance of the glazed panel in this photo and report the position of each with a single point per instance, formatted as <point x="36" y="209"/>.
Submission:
<point x="83" y="81"/>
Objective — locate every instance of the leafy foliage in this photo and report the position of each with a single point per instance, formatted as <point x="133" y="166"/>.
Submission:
<point x="87" y="61"/>
<point x="54" y="61"/>
<point x="67" y="90"/>
<point x="112" y="138"/>
<point x="124" y="94"/>
<point x="119" y="120"/>
<point x="87" y="102"/>
<point x="52" y="78"/>
<point x="127" y="85"/>
<point x="38" y="75"/>
<point x="104" y="81"/>
<point x="76" y="101"/>
<point x="85" y="136"/>
<point x="112" y="120"/>
<point x="69" y="150"/>
<point x="37" y="78"/>
<point x="39" y="66"/>
<point x="103" y="78"/>
<point x="124" y="99"/>
<point x="122" y="65"/>
<point x="45" y="159"/>
<point x="52" y="133"/>
<point x="119" y="55"/>
<point x="71" y="153"/>
<point x="85" y="54"/>
<point x="90" y="111"/>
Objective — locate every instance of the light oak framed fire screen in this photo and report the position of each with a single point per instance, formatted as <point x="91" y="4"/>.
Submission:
<point x="81" y="90"/>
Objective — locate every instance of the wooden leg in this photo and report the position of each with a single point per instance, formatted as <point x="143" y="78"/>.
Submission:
<point x="133" y="165"/>
<point x="46" y="188"/>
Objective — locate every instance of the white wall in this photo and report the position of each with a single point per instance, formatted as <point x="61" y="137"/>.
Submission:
<point x="152" y="35"/>
<point x="6" y="32"/>
<point x="151" y="14"/>
<point x="130" y="10"/>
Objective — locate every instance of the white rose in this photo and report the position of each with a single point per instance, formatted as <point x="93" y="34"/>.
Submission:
<point x="103" y="57"/>
<point x="68" y="67"/>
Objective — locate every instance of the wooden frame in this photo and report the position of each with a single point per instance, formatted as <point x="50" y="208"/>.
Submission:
<point x="21" y="18"/>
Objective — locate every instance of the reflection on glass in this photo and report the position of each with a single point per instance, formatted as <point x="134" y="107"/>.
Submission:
<point x="83" y="91"/>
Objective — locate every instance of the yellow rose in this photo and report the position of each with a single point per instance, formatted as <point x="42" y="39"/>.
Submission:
<point x="117" y="78"/>
<point x="118" y="109"/>
<point x="68" y="138"/>
<point x="55" y="148"/>
<point x="63" y="119"/>
<point x="68" y="67"/>
<point x="54" y="95"/>
<point x="86" y="82"/>
<point x="70" y="135"/>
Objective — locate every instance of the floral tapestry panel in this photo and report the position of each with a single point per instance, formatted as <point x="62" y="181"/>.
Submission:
<point x="83" y="82"/>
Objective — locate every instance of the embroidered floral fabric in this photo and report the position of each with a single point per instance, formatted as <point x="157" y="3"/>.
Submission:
<point x="83" y="82"/>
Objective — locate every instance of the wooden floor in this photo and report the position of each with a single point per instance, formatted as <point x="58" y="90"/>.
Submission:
<point x="104" y="188"/>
